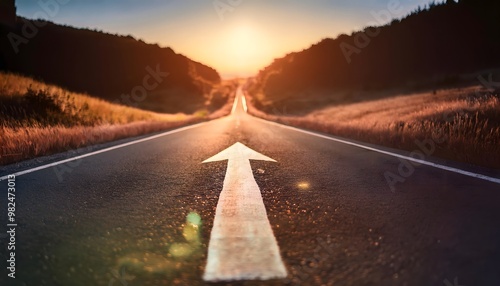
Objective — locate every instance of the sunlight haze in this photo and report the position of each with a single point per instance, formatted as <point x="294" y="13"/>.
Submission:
<point x="237" y="39"/>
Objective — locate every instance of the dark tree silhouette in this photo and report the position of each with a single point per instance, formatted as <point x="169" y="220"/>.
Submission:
<point x="106" y="65"/>
<point x="8" y="12"/>
<point x="442" y="42"/>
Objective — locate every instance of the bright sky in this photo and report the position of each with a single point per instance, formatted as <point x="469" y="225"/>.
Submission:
<point x="236" y="37"/>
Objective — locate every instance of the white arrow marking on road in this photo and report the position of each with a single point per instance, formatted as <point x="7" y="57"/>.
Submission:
<point x="242" y="244"/>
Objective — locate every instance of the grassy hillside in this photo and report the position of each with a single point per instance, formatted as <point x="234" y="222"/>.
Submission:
<point x="437" y="46"/>
<point x="39" y="119"/>
<point x="463" y="124"/>
<point x="116" y="68"/>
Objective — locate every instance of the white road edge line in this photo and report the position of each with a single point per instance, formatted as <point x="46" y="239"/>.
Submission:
<point x="181" y="129"/>
<point x="450" y="169"/>
<point x="423" y="162"/>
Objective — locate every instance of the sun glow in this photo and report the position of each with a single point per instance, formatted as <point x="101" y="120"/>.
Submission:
<point x="244" y="44"/>
<point x="245" y="48"/>
<point x="239" y="49"/>
<point x="239" y="46"/>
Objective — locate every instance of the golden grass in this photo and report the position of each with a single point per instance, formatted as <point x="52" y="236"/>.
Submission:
<point x="107" y="122"/>
<point x="12" y="85"/>
<point x="468" y="119"/>
<point x="30" y="142"/>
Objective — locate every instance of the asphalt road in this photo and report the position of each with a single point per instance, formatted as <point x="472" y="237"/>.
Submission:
<point x="119" y="217"/>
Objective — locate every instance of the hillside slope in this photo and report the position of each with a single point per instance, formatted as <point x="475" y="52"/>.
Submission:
<point x="431" y="47"/>
<point x="38" y="119"/>
<point x="108" y="66"/>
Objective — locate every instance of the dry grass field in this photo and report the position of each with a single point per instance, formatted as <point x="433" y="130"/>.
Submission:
<point x="464" y="124"/>
<point x="38" y="119"/>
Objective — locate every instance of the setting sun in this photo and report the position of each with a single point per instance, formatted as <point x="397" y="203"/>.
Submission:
<point x="240" y="49"/>
<point x="245" y="45"/>
<point x="243" y="39"/>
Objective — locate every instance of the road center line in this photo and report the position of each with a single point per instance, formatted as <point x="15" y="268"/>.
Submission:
<point x="244" y="102"/>
<point x="235" y="102"/>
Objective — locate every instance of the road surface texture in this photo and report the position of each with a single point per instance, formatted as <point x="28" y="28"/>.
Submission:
<point x="142" y="214"/>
